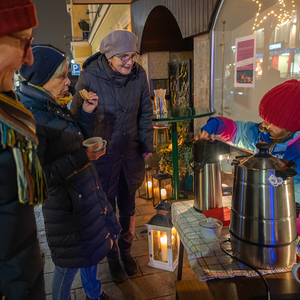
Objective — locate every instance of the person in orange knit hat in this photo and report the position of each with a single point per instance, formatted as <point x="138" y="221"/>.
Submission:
<point x="22" y="182"/>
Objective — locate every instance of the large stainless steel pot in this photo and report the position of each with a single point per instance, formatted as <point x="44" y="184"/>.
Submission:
<point x="263" y="216"/>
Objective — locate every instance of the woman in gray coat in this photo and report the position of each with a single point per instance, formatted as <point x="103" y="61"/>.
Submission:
<point x="124" y="119"/>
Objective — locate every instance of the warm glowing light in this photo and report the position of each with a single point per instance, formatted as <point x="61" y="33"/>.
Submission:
<point x="164" y="248"/>
<point x="163" y="193"/>
<point x="163" y="240"/>
<point x="149" y="184"/>
<point x="283" y="16"/>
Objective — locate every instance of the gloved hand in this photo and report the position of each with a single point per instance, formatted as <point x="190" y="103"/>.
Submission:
<point x="209" y="130"/>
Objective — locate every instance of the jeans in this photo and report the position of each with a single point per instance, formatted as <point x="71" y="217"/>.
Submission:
<point x="126" y="206"/>
<point x="63" y="279"/>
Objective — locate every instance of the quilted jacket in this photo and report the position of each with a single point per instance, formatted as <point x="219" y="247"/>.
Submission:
<point x="80" y="224"/>
<point x="124" y="119"/>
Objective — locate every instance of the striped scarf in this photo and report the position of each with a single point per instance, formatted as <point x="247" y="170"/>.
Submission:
<point x="17" y="130"/>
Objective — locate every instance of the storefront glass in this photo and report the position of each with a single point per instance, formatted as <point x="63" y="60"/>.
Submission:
<point x="256" y="45"/>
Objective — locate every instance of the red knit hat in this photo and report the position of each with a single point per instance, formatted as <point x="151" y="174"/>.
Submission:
<point x="16" y="15"/>
<point x="281" y="105"/>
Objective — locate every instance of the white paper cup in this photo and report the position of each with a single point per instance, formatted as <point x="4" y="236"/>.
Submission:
<point x="226" y="166"/>
<point x="211" y="227"/>
<point x="94" y="140"/>
<point x="296" y="271"/>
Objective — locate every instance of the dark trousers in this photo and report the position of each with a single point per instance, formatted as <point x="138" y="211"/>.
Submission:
<point x="126" y="207"/>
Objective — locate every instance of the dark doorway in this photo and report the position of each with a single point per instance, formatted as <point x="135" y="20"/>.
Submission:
<point x="162" y="33"/>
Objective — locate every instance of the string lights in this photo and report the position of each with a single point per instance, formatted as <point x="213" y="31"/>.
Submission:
<point x="282" y="16"/>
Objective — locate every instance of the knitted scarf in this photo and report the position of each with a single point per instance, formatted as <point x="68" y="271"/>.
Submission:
<point x="60" y="101"/>
<point x="17" y="130"/>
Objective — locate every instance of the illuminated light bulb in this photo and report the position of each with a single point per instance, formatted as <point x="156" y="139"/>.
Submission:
<point x="149" y="184"/>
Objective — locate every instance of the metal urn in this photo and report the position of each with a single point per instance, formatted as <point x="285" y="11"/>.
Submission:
<point x="263" y="215"/>
<point x="207" y="173"/>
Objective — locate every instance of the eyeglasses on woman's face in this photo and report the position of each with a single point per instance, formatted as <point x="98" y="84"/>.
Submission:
<point x="27" y="42"/>
<point x="125" y="57"/>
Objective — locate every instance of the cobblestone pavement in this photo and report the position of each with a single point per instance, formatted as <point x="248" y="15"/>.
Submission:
<point x="148" y="283"/>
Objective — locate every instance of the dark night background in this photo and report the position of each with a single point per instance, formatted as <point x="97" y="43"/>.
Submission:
<point x="54" y="23"/>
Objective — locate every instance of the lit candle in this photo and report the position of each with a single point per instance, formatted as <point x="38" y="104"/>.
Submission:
<point x="163" y="193"/>
<point x="150" y="188"/>
<point x="164" y="248"/>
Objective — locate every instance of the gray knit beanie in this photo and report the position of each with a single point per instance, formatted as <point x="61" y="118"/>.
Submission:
<point x="118" y="41"/>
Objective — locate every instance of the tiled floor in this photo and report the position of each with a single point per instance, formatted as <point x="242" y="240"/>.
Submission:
<point x="147" y="283"/>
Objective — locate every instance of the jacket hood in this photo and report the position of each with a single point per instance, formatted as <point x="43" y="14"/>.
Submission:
<point x="97" y="65"/>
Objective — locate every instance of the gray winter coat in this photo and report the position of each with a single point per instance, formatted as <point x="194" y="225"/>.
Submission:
<point x="124" y="119"/>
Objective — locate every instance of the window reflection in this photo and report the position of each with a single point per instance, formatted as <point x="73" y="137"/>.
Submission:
<point x="275" y="25"/>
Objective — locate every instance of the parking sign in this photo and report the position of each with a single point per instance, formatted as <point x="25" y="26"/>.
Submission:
<point x="75" y="69"/>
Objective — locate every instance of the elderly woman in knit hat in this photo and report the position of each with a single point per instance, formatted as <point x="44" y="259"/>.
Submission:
<point x="79" y="221"/>
<point x="124" y="119"/>
<point x="279" y="108"/>
<point x="22" y="184"/>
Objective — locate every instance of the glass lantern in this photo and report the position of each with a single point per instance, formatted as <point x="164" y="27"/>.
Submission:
<point x="147" y="186"/>
<point x="163" y="240"/>
<point x="162" y="187"/>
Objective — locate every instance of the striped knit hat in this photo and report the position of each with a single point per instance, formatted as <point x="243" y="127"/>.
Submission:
<point x="16" y="15"/>
<point x="281" y="105"/>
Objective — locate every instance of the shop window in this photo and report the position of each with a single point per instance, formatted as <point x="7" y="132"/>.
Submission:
<point x="255" y="46"/>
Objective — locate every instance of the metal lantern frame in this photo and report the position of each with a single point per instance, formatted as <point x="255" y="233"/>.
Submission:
<point x="163" y="255"/>
<point x="160" y="177"/>
<point x="148" y="183"/>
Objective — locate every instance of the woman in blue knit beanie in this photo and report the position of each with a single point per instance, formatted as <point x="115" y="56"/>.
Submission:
<point x="80" y="223"/>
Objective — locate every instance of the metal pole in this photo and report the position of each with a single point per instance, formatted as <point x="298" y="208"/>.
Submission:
<point x="223" y="46"/>
<point x="175" y="160"/>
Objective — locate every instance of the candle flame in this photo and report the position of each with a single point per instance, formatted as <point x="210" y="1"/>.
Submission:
<point x="163" y="240"/>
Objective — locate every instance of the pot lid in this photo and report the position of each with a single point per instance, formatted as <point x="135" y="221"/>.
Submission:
<point x="263" y="160"/>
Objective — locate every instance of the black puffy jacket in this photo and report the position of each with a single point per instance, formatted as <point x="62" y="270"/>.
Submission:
<point x="124" y="119"/>
<point x="80" y="224"/>
<point x="21" y="264"/>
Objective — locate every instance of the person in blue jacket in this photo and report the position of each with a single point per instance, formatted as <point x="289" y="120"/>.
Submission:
<point x="280" y="110"/>
<point x="80" y="224"/>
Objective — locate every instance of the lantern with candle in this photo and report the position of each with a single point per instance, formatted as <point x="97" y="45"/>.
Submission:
<point x="162" y="187"/>
<point x="148" y="183"/>
<point x="163" y="239"/>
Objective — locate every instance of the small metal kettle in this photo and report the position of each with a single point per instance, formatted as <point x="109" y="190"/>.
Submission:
<point x="263" y="214"/>
<point x="207" y="173"/>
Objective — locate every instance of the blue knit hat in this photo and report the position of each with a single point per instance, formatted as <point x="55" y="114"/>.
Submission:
<point x="46" y="61"/>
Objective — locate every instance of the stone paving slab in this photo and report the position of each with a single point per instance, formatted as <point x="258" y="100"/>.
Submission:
<point x="147" y="284"/>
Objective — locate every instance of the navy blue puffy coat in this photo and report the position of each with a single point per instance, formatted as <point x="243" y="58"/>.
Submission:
<point x="80" y="224"/>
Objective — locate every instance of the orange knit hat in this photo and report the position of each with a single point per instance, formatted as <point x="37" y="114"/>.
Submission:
<point x="281" y="105"/>
<point x="16" y="15"/>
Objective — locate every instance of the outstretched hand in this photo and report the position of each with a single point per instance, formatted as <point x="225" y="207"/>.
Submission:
<point x="206" y="136"/>
<point x="94" y="155"/>
<point x="90" y="104"/>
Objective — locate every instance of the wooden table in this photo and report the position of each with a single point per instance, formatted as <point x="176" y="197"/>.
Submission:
<point x="235" y="288"/>
<point x="281" y="286"/>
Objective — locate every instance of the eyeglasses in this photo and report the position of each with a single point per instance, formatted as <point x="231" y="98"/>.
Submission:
<point x="26" y="41"/>
<point x="126" y="58"/>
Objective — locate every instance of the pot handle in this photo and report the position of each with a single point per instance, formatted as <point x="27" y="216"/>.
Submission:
<point x="285" y="173"/>
<point x="201" y="165"/>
